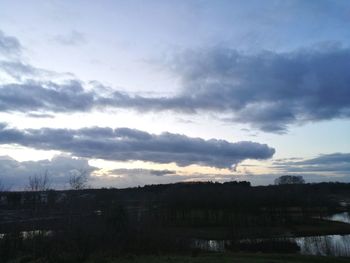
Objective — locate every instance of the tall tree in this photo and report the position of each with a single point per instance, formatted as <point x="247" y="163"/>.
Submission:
<point x="39" y="182"/>
<point x="289" y="179"/>
<point x="78" y="180"/>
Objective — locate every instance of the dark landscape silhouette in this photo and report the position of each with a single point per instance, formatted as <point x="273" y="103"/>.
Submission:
<point x="181" y="218"/>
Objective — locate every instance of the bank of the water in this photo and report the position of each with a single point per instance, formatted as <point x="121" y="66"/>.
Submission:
<point x="226" y="258"/>
<point x="328" y="245"/>
<point x="313" y="228"/>
<point x="340" y="217"/>
<point x="199" y="258"/>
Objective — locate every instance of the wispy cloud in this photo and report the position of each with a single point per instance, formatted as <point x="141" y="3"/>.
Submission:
<point x="73" y="38"/>
<point x="140" y="172"/>
<point x="335" y="163"/>
<point x="9" y="45"/>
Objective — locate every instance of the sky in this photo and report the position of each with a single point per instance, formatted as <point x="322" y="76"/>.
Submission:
<point x="149" y="92"/>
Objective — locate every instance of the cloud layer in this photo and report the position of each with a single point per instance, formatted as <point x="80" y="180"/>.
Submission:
<point x="335" y="163"/>
<point x="267" y="90"/>
<point x="124" y="144"/>
<point x="132" y="172"/>
<point x="45" y="96"/>
<point x="15" y="174"/>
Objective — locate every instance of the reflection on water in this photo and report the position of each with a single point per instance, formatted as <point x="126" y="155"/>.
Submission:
<point x="340" y="217"/>
<point x="31" y="234"/>
<point x="210" y="245"/>
<point x="327" y="245"/>
<point x="330" y="245"/>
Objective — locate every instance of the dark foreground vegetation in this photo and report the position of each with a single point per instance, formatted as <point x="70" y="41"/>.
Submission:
<point x="131" y="225"/>
<point x="202" y="258"/>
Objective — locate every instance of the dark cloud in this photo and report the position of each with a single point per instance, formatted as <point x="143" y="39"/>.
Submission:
<point x="141" y="172"/>
<point x="327" y="159"/>
<point x="267" y="90"/>
<point x="162" y="172"/>
<point x="15" y="174"/>
<point x="45" y="96"/>
<point x="336" y="163"/>
<point x="125" y="144"/>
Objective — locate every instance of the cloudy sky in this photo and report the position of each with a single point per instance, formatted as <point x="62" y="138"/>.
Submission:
<point x="147" y="92"/>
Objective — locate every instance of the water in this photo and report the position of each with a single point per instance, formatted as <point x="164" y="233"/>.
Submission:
<point x="340" y="217"/>
<point x="324" y="245"/>
<point x="329" y="245"/>
<point x="210" y="245"/>
<point x="31" y="234"/>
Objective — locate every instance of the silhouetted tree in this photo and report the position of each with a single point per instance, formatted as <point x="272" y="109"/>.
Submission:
<point x="289" y="179"/>
<point x="39" y="182"/>
<point x="78" y="181"/>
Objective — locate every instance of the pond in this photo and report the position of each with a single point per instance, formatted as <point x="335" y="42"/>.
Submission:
<point x="340" y="217"/>
<point x="325" y="245"/>
<point x="328" y="245"/>
<point x="210" y="245"/>
<point x="31" y="234"/>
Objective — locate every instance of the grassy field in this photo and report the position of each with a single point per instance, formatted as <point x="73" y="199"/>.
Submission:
<point x="226" y="258"/>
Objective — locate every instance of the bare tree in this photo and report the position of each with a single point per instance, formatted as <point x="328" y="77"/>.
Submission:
<point x="78" y="180"/>
<point x="39" y="182"/>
